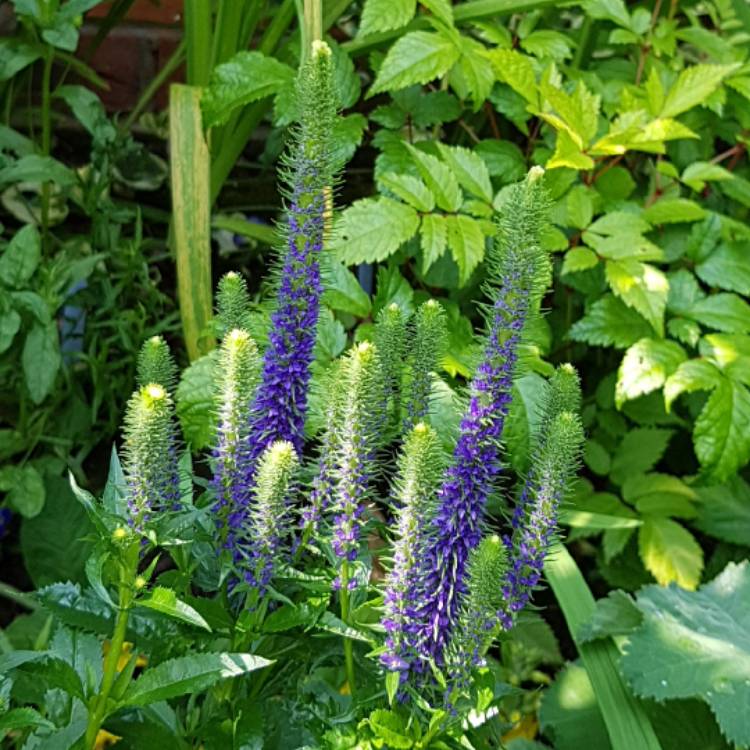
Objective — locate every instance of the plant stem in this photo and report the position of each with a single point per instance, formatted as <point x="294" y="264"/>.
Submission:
<point x="128" y="570"/>
<point x="19" y="597"/>
<point x="46" y="136"/>
<point x="174" y="62"/>
<point x="348" y="646"/>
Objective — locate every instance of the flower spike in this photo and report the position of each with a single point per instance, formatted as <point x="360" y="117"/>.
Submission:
<point x="156" y="365"/>
<point x="279" y="409"/>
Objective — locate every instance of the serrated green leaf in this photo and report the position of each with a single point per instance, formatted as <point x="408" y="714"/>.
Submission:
<point x="640" y="286"/>
<point x="670" y="552"/>
<point x="472" y="76"/>
<point x="727" y="267"/>
<point x="697" y="644"/>
<point x="504" y="160"/>
<point x="165" y="600"/>
<point x="640" y="450"/>
<point x="371" y="229"/>
<point x="410" y="189"/>
<point x="722" y="430"/>
<point x="195" y="401"/>
<point x="660" y="495"/>
<point x="245" y="78"/>
<point x="517" y="71"/>
<point x="697" y="174"/>
<point x="724" y="511"/>
<point x="674" y="211"/>
<point x="416" y="57"/>
<point x="23" y="718"/>
<point x="723" y="311"/>
<point x="469" y="169"/>
<point x="645" y="367"/>
<point x="385" y="15"/>
<point x="730" y="352"/>
<point x="466" y="242"/>
<point x="579" y="259"/>
<point x="609" y="322"/>
<point x="434" y="239"/>
<point x="568" y="154"/>
<point x="189" y="674"/>
<point x="342" y="291"/>
<point x="439" y="179"/>
<point x="691" y="375"/>
<point x="693" y="86"/>
<point x="616" y="614"/>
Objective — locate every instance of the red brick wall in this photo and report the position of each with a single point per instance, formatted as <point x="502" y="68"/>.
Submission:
<point x="135" y="50"/>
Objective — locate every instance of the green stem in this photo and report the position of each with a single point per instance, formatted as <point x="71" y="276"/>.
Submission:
<point x="174" y="62"/>
<point x="46" y="135"/>
<point x="19" y="597"/>
<point x="198" y="32"/>
<point x="128" y="570"/>
<point x="348" y="646"/>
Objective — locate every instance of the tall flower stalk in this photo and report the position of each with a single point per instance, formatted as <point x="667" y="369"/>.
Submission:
<point x="413" y="495"/>
<point x="518" y="274"/>
<point x="239" y="371"/>
<point x="278" y="412"/>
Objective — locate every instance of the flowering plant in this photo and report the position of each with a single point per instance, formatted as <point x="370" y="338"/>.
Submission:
<point x="368" y="564"/>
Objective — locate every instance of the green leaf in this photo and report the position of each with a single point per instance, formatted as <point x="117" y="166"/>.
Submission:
<point x="342" y="291"/>
<point x="670" y="552"/>
<point x="23" y="718"/>
<point x="568" y="154"/>
<point x="722" y="430"/>
<point x="609" y="322"/>
<point x="189" y="674"/>
<point x="25" y="489"/>
<point x="579" y="259"/>
<point x="389" y="728"/>
<point x="38" y="169"/>
<point x="693" y="86"/>
<point x="697" y="644"/>
<point x="434" y="239"/>
<point x="639" y="451"/>
<point x="697" y="174"/>
<point x="691" y="375"/>
<point x="472" y="77"/>
<point x="195" y="401"/>
<point x="245" y="78"/>
<point x="416" y="57"/>
<point x="727" y="267"/>
<point x="15" y="55"/>
<point x="53" y="543"/>
<point x="469" y="169"/>
<point x="660" y="495"/>
<point x="466" y="241"/>
<point x="730" y="352"/>
<point x="504" y="160"/>
<point x="10" y="322"/>
<point x="438" y="178"/>
<point x="546" y="43"/>
<point x="517" y="71"/>
<point x="627" y="724"/>
<point x="21" y="257"/>
<point x="640" y="286"/>
<point x="41" y="360"/>
<point x="410" y="189"/>
<point x="579" y="207"/>
<point x="616" y="614"/>
<point x="385" y="15"/>
<point x="371" y="229"/>
<point x="645" y="367"/>
<point x="724" y="511"/>
<point x="723" y="311"/>
<point x="165" y="600"/>
<point x="674" y="211"/>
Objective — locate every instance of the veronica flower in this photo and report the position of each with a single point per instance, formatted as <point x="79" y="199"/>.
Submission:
<point x="238" y="375"/>
<point x="518" y="277"/>
<point x="414" y="495"/>
<point x="390" y="340"/>
<point x="426" y="342"/>
<point x="360" y="386"/>
<point x="554" y="462"/>
<point x="258" y="541"/>
<point x="279" y="409"/>
<point x="478" y="619"/>
<point x="156" y="365"/>
<point x="150" y="453"/>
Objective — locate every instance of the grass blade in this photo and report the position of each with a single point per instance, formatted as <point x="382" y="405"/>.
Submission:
<point x="627" y="723"/>
<point x="191" y="212"/>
